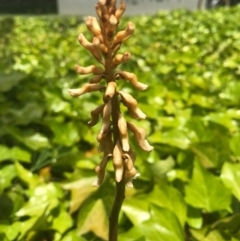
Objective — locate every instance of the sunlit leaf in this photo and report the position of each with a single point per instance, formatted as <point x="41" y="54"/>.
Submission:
<point x="163" y="225"/>
<point x="62" y="222"/>
<point x="95" y="220"/>
<point x="136" y="209"/>
<point x="8" y="81"/>
<point x="26" y="176"/>
<point x="204" y="189"/>
<point x="7" y="174"/>
<point x="44" y="198"/>
<point x="170" y="198"/>
<point x="230" y="176"/>
<point x="80" y="191"/>
<point x="5" y="153"/>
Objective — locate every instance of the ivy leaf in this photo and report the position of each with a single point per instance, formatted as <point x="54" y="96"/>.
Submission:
<point x="170" y="198"/>
<point x="163" y="225"/>
<point x="204" y="189"/>
<point x="230" y="176"/>
<point x="94" y="219"/>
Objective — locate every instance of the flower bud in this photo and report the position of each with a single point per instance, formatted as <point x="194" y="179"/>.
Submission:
<point x="139" y="135"/>
<point x="95" y="115"/>
<point x="100" y="170"/>
<point x="132" y="78"/>
<point x="104" y="10"/>
<point x="92" y="69"/>
<point x="93" y="26"/>
<point x="96" y="79"/>
<point x="128" y="162"/>
<point x="85" y="89"/>
<point x="101" y="47"/>
<point x="132" y="106"/>
<point x="123" y="35"/>
<point x="106" y="122"/>
<point x="120" y="58"/>
<point x="110" y="90"/>
<point x="118" y="162"/>
<point x="122" y="127"/>
<point x="108" y="148"/>
<point x="90" y="47"/>
<point x="129" y="175"/>
<point x="113" y="23"/>
<point x="120" y="10"/>
<point x="98" y="10"/>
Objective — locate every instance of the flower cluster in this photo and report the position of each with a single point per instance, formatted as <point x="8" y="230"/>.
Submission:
<point x="113" y="137"/>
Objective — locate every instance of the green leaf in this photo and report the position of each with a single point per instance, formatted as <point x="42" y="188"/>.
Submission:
<point x="5" y="153"/>
<point x="170" y="198"/>
<point x="163" y="225"/>
<point x="204" y="189"/>
<point x="136" y="209"/>
<point x="175" y="137"/>
<point x="230" y="176"/>
<point x="62" y="222"/>
<point x="94" y="220"/>
<point x="234" y="145"/>
<point x="72" y="236"/>
<point x="15" y="153"/>
<point x="194" y="217"/>
<point x="7" y="174"/>
<point x="44" y="198"/>
<point x="8" y="81"/>
<point x="162" y="167"/>
<point x="6" y="207"/>
<point x="231" y="222"/>
<point x="20" y="154"/>
<point x="10" y="230"/>
<point x="35" y="141"/>
<point x="80" y="191"/>
<point x="27" y="225"/>
<point x="29" y="113"/>
<point x="65" y="133"/>
<point x="26" y="176"/>
<point x="214" y="236"/>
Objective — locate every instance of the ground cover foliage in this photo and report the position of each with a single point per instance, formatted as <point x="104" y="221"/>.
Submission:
<point x="189" y="184"/>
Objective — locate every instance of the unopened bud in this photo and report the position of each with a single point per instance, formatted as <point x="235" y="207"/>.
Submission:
<point x="124" y="34"/>
<point x="128" y="162"/>
<point x="139" y="135"/>
<point x="85" y="89"/>
<point x="95" y="115"/>
<point x="90" y="47"/>
<point x="113" y="23"/>
<point x="93" y="26"/>
<point x="110" y="90"/>
<point x="100" y="170"/>
<point x="96" y="79"/>
<point x="100" y="46"/>
<point x="104" y="10"/>
<point x="106" y="122"/>
<point x="122" y="127"/>
<point x="92" y="69"/>
<point x="120" y="10"/>
<point x="132" y="78"/>
<point x="132" y="105"/>
<point x="98" y="10"/>
<point x="118" y="162"/>
<point x="121" y="58"/>
<point x="130" y="174"/>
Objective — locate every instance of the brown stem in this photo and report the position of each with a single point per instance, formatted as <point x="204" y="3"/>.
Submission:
<point x="120" y="186"/>
<point x="118" y="201"/>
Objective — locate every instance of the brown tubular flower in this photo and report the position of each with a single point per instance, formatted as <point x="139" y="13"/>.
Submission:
<point x="113" y="137"/>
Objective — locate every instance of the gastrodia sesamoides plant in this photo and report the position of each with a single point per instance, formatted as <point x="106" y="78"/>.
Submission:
<point x="113" y="136"/>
